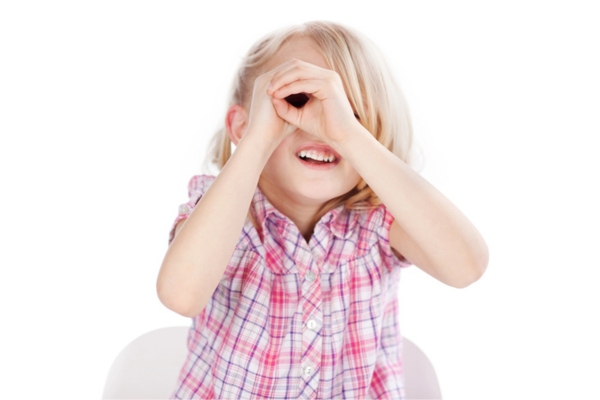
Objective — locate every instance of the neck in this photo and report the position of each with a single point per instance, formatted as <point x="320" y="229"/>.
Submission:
<point x="302" y="214"/>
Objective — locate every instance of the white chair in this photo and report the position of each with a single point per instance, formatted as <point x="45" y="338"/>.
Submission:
<point x="149" y="366"/>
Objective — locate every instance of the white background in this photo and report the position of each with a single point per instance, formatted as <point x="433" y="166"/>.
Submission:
<point x="105" y="112"/>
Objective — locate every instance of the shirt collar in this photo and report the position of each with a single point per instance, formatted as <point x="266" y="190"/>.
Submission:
<point x="340" y="221"/>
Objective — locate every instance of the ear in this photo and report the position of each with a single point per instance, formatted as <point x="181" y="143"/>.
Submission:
<point x="235" y="122"/>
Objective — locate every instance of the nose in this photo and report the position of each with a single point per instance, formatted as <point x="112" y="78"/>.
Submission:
<point x="298" y="100"/>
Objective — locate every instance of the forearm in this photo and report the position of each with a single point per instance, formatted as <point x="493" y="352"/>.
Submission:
<point x="443" y="241"/>
<point x="201" y="250"/>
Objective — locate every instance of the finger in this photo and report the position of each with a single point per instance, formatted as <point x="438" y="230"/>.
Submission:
<point x="288" y="128"/>
<point x="287" y="112"/>
<point x="294" y="71"/>
<point x="314" y="87"/>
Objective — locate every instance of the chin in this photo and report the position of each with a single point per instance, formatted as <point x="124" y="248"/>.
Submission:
<point x="296" y="184"/>
<point x="319" y="193"/>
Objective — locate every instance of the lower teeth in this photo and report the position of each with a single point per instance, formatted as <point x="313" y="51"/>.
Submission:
<point x="313" y="160"/>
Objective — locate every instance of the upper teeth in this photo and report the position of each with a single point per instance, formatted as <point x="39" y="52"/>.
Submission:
<point x="317" y="155"/>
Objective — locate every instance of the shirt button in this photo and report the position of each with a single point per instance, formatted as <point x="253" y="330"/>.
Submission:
<point x="183" y="209"/>
<point x="308" y="371"/>
<point x="312" y="324"/>
<point x="310" y="276"/>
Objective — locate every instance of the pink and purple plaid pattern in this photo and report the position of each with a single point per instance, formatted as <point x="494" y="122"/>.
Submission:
<point x="292" y="319"/>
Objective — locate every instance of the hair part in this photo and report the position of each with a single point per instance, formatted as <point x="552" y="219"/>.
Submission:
<point x="374" y="94"/>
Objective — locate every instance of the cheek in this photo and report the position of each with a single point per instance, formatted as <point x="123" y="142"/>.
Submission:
<point x="279" y="155"/>
<point x="277" y="158"/>
<point x="275" y="164"/>
<point x="353" y="178"/>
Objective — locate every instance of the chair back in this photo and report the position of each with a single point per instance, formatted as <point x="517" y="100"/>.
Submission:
<point x="149" y="366"/>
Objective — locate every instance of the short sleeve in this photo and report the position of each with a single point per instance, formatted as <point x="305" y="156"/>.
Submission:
<point x="396" y="258"/>
<point x="197" y="186"/>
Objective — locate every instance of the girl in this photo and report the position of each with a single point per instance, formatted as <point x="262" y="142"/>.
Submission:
<point x="288" y="261"/>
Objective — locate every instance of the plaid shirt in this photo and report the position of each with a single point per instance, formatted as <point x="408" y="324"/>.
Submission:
<point x="291" y="319"/>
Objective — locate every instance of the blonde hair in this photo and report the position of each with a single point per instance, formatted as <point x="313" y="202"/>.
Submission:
<point x="368" y="81"/>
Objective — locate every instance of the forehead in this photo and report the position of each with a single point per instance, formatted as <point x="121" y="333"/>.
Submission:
<point x="302" y="48"/>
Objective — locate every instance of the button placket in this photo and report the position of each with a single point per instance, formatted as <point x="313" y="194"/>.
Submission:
<point x="312" y="325"/>
<point x="311" y="328"/>
<point x="307" y="371"/>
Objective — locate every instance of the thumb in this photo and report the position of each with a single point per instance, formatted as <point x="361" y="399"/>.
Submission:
<point x="287" y="112"/>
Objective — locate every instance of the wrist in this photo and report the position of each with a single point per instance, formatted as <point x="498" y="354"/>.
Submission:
<point x="352" y="140"/>
<point x="260" y="144"/>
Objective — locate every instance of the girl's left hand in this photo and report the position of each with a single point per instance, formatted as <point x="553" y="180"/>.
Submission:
<point x="327" y="114"/>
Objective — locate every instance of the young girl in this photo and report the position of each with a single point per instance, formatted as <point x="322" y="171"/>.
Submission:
<point x="288" y="261"/>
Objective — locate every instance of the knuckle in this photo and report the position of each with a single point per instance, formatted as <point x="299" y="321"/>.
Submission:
<point x="264" y="77"/>
<point x="262" y="80"/>
<point x="334" y="76"/>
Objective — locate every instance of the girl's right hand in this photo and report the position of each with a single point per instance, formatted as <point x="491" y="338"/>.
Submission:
<point x="263" y="119"/>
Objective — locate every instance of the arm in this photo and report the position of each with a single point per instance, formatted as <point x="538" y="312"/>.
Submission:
<point x="429" y="231"/>
<point x="204" y="243"/>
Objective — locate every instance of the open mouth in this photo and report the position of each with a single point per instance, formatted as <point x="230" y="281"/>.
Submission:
<point x="317" y="157"/>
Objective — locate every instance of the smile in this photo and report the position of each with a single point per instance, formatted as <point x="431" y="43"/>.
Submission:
<point x="316" y="156"/>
